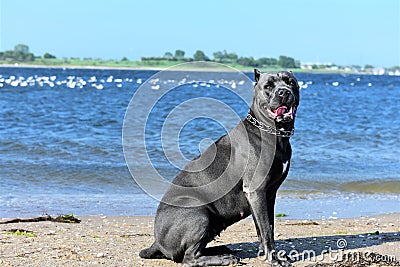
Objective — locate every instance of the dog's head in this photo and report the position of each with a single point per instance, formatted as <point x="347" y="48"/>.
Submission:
<point x="276" y="95"/>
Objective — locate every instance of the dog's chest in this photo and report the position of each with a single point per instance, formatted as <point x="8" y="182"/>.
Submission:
<point x="285" y="167"/>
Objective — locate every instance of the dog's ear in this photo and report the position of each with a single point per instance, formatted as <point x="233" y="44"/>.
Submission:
<point x="257" y="74"/>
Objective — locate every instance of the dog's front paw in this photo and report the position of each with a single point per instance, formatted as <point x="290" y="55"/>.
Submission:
<point x="280" y="260"/>
<point x="281" y="263"/>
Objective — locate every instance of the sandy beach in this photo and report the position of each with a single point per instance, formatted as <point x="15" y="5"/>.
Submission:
<point x="116" y="241"/>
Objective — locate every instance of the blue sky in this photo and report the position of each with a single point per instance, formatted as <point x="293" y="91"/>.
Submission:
<point x="339" y="31"/>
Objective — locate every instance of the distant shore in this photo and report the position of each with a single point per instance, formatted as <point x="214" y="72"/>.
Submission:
<point x="177" y="67"/>
<point x="116" y="241"/>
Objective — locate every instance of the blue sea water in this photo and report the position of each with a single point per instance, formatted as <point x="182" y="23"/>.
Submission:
<point x="61" y="141"/>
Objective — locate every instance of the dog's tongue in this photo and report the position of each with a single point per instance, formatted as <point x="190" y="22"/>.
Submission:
<point x="280" y="111"/>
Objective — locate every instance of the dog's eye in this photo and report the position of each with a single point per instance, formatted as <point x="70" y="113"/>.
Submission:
<point x="268" y="85"/>
<point x="292" y="83"/>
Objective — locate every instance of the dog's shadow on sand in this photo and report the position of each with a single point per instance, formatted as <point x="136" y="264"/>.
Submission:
<point x="306" y="247"/>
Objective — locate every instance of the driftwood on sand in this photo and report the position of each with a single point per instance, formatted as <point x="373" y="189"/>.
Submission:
<point x="62" y="218"/>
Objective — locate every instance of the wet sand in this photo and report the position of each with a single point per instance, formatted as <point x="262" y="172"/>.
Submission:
<point x="116" y="241"/>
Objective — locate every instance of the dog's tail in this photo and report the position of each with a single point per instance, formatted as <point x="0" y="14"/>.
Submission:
<point x="151" y="253"/>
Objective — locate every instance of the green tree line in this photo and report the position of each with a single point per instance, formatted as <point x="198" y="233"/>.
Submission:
<point x="21" y="54"/>
<point x="228" y="58"/>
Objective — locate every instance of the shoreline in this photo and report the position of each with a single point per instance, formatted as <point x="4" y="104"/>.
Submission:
<point x="395" y="215"/>
<point x="174" y="68"/>
<point x="319" y="206"/>
<point x="117" y="240"/>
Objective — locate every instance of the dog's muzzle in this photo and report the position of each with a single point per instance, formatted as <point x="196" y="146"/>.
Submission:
<point x="284" y="109"/>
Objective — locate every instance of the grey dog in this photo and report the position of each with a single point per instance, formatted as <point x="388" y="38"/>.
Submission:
<point x="245" y="167"/>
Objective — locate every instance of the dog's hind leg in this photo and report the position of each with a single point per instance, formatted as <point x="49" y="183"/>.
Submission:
<point x="151" y="253"/>
<point x="216" y="250"/>
<point x="198" y="255"/>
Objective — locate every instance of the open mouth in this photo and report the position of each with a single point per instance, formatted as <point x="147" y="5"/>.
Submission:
<point x="283" y="113"/>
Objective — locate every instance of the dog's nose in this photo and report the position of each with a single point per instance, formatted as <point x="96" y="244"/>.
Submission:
<point x="283" y="92"/>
